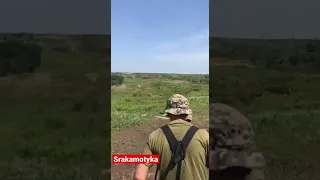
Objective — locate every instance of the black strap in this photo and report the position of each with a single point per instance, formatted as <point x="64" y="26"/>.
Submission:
<point x="170" y="137"/>
<point x="173" y="143"/>
<point x="187" y="138"/>
<point x="185" y="142"/>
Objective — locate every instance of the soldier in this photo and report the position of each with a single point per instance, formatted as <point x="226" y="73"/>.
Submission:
<point x="183" y="148"/>
<point x="233" y="155"/>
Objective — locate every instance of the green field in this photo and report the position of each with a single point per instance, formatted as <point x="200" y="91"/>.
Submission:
<point x="141" y="98"/>
<point x="283" y="106"/>
<point x="136" y="108"/>
<point x="54" y="123"/>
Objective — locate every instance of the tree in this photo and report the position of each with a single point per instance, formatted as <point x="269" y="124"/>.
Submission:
<point x="116" y="79"/>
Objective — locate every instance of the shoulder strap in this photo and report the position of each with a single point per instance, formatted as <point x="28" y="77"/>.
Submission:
<point x="170" y="137"/>
<point x="185" y="142"/>
<point x="173" y="142"/>
<point x="187" y="138"/>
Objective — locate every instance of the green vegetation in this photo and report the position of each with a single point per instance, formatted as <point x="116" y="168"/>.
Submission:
<point x="143" y="96"/>
<point x="192" y="78"/>
<point x="283" y="106"/>
<point x="17" y="57"/>
<point x="137" y="104"/>
<point x="279" y="54"/>
<point x="54" y="122"/>
<point x="65" y="43"/>
<point x="116" y="79"/>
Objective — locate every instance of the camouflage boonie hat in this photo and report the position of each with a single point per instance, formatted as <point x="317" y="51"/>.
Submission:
<point x="232" y="139"/>
<point x="178" y="105"/>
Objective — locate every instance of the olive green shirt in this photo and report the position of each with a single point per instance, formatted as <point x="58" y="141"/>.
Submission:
<point x="194" y="166"/>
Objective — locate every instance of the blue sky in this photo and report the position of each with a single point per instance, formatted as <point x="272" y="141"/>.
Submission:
<point x="167" y="36"/>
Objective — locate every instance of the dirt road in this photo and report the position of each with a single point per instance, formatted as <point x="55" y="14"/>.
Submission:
<point x="132" y="141"/>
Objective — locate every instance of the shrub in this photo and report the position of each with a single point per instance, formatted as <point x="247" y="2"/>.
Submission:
<point x="116" y="79"/>
<point x="34" y="56"/>
<point x="17" y="57"/>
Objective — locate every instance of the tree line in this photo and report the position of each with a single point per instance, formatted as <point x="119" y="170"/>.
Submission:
<point x="282" y="54"/>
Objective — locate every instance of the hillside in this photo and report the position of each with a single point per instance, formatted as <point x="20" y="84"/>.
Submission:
<point x="65" y="43"/>
<point x="280" y="99"/>
<point x="54" y="123"/>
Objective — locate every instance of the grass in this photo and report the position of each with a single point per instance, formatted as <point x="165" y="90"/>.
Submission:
<point x="143" y="99"/>
<point x="284" y="109"/>
<point x="54" y="122"/>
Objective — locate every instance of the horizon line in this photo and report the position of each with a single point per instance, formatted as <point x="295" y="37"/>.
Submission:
<point x="160" y="73"/>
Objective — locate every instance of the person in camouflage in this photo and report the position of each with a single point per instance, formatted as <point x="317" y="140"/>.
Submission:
<point x="233" y="154"/>
<point x="194" y="165"/>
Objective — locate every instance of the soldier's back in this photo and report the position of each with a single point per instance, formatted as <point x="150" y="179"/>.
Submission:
<point x="194" y="164"/>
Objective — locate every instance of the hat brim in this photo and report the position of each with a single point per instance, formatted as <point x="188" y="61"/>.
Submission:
<point x="178" y="111"/>
<point x="174" y="112"/>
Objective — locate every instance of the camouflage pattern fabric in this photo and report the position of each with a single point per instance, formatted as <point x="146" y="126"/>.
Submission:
<point x="232" y="142"/>
<point x="178" y="105"/>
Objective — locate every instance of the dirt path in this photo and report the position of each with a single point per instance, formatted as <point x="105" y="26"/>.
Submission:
<point x="132" y="141"/>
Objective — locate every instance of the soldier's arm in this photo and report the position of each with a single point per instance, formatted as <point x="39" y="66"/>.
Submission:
<point x="206" y="145"/>
<point x="143" y="169"/>
<point x="141" y="172"/>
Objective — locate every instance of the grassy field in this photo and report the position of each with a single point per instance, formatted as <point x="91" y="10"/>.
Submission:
<point x="140" y="99"/>
<point x="54" y="122"/>
<point x="284" y="109"/>
<point x="136" y="108"/>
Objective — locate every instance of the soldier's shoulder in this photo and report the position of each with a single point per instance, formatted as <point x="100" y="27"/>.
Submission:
<point x="155" y="133"/>
<point x="203" y="132"/>
<point x="203" y="135"/>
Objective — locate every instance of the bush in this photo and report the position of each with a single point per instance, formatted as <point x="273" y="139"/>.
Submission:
<point x="34" y="56"/>
<point x="17" y="57"/>
<point x="116" y="79"/>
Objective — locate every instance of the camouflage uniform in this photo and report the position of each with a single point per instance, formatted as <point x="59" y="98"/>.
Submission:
<point x="232" y="146"/>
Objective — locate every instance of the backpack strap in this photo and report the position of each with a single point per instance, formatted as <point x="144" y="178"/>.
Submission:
<point x="187" y="138"/>
<point x="185" y="142"/>
<point x="173" y="143"/>
<point x="170" y="137"/>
